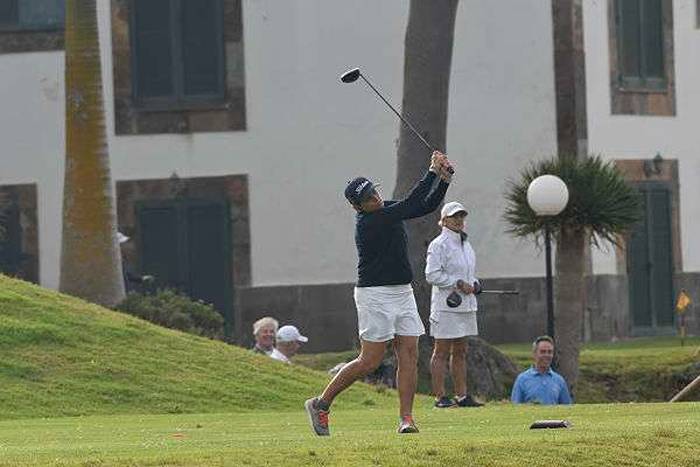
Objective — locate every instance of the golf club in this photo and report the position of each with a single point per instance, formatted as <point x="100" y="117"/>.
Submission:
<point x="351" y="76"/>
<point x="501" y="292"/>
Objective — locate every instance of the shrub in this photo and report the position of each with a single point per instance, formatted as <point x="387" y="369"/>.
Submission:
<point x="173" y="310"/>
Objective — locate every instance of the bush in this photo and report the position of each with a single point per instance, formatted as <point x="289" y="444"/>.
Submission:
<point x="172" y="310"/>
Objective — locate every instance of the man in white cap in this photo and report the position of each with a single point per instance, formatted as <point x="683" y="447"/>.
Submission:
<point x="289" y="340"/>
<point x="451" y="270"/>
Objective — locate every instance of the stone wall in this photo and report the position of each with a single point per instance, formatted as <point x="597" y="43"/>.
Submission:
<point x="326" y="313"/>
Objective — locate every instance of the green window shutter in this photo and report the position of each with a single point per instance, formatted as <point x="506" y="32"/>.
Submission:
<point x="152" y="49"/>
<point x="209" y="256"/>
<point x="160" y="245"/>
<point x="202" y="47"/>
<point x="652" y="40"/>
<point x="41" y="14"/>
<point x="629" y="33"/>
<point x="8" y="13"/>
<point x="661" y="255"/>
<point x="640" y="270"/>
<point x="640" y="36"/>
<point x="10" y="241"/>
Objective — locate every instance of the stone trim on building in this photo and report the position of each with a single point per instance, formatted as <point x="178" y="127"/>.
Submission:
<point x="30" y="41"/>
<point x="657" y="102"/>
<point x="227" y="115"/>
<point x="24" y="197"/>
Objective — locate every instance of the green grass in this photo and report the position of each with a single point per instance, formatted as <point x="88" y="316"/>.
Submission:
<point x="64" y="357"/>
<point x="497" y="435"/>
<point x="635" y="370"/>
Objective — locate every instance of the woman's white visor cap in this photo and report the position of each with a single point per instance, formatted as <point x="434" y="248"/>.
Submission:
<point x="452" y="208"/>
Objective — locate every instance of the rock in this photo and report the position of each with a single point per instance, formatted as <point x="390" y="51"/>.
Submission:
<point x="490" y="373"/>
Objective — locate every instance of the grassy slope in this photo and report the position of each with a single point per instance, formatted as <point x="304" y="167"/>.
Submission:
<point x="497" y="435"/>
<point x="64" y="357"/>
<point x="647" y="369"/>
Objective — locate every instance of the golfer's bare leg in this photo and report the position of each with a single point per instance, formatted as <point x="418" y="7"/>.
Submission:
<point x="438" y="365"/>
<point x="458" y="365"/>
<point x="371" y="355"/>
<point x="406" y="348"/>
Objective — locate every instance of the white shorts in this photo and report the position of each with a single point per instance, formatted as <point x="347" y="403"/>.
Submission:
<point x="453" y="325"/>
<point x="387" y="311"/>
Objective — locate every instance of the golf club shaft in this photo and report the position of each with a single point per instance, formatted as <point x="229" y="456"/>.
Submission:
<point x="427" y="145"/>
<point x="501" y="292"/>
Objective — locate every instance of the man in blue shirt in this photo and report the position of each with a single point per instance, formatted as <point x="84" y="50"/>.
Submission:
<point x="540" y="384"/>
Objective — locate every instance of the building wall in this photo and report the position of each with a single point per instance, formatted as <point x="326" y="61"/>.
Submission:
<point x="643" y="136"/>
<point x="307" y="134"/>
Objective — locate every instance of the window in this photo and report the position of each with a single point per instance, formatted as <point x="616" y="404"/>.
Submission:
<point x="640" y="44"/>
<point x="177" y="52"/>
<point x="642" y="69"/>
<point x="31" y="15"/>
<point x="178" y="66"/>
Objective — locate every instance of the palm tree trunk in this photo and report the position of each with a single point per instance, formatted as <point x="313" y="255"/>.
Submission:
<point x="90" y="260"/>
<point x="427" y="65"/>
<point x="570" y="299"/>
<point x="573" y="261"/>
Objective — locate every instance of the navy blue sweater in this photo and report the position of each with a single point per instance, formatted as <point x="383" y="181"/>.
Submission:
<point x="381" y="237"/>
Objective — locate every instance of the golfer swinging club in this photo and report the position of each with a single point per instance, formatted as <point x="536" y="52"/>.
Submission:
<point x="386" y="308"/>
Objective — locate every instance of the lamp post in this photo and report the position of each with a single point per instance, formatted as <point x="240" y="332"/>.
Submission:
<point x="547" y="195"/>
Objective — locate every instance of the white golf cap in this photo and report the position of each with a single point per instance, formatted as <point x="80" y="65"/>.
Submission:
<point x="290" y="334"/>
<point x="451" y="208"/>
<point x="122" y="238"/>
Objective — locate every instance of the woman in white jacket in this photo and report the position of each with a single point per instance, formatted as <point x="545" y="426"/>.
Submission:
<point x="451" y="270"/>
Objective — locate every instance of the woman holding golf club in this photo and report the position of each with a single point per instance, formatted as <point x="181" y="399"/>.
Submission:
<point x="386" y="307"/>
<point x="451" y="270"/>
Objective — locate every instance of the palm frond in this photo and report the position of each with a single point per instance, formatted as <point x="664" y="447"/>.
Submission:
<point x="599" y="199"/>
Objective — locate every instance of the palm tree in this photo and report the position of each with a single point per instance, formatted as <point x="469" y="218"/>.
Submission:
<point x="602" y="207"/>
<point x="90" y="261"/>
<point x="427" y="67"/>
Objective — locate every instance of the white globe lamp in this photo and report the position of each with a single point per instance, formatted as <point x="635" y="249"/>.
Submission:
<point x="547" y="195"/>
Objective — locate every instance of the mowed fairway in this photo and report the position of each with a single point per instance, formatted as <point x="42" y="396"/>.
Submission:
<point x="604" y="435"/>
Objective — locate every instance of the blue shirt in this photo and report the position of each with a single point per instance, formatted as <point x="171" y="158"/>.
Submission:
<point x="548" y="388"/>
<point x="380" y="236"/>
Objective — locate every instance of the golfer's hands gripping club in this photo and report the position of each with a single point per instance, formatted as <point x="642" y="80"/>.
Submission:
<point x="441" y="166"/>
<point x="464" y="287"/>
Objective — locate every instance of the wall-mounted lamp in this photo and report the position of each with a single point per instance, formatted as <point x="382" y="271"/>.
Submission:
<point x="653" y="166"/>
<point x="178" y="188"/>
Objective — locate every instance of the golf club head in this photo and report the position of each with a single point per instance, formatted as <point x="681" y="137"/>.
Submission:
<point x="350" y="76"/>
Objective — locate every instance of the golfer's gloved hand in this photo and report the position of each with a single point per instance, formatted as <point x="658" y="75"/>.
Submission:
<point x="464" y="287"/>
<point x="437" y="162"/>
<point x="445" y="174"/>
<point x="477" y="288"/>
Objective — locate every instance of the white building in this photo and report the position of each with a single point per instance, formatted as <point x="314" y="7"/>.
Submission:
<point x="231" y="140"/>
